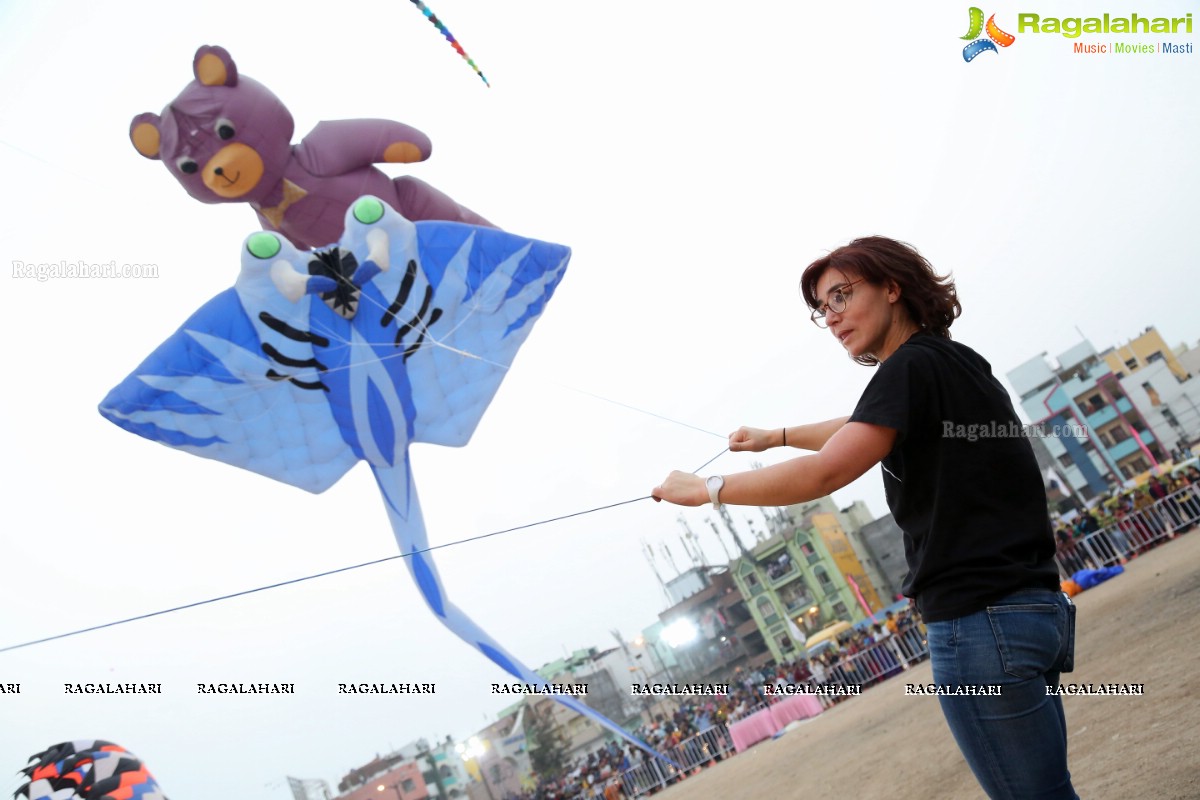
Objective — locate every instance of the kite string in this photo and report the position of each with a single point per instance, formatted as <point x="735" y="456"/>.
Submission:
<point x="252" y="388"/>
<point x="337" y="570"/>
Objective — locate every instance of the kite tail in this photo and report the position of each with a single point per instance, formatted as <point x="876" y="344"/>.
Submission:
<point x="437" y="23"/>
<point x="400" y="497"/>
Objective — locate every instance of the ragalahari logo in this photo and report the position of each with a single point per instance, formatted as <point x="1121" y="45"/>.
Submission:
<point x="995" y="36"/>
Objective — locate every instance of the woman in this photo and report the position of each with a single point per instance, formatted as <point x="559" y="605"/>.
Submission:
<point x="964" y="488"/>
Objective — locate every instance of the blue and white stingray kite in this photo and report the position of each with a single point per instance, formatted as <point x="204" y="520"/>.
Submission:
<point x="317" y="359"/>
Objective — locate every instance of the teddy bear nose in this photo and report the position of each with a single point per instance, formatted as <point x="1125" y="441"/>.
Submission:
<point x="218" y="171"/>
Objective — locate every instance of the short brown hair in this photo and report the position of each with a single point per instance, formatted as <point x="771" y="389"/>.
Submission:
<point x="929" y="298"/>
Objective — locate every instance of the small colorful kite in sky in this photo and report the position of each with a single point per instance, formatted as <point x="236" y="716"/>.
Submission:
<point x="450" y="38"/>
<point x="87" y="770"/>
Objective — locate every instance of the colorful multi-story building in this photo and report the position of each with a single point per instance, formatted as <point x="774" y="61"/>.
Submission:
<point x="1096" y="435"/>
<point x="805" y="575"/>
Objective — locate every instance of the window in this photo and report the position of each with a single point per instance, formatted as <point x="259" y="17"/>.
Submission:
<point x="840" y="610"/>
<point x="1152" y="393"/>
<point x="1131" y="363"/>
<point x="407" y="785"/>
<point x="823" y="578"/>
<point x="1066" y="460"/>
<point x="796" y="595"/>
<point x="765" y="608"/>
<point x="1155" y="356"/>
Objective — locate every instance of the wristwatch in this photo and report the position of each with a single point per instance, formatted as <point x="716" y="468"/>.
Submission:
<point x="715" y="484"/>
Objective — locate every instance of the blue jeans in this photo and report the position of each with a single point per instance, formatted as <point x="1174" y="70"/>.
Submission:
<point x="1015" y="743"/>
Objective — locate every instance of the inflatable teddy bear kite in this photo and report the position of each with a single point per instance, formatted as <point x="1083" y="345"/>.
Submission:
<point x="227" y="139"/>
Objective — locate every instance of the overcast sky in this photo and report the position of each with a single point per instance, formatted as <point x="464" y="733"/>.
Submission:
<point x="694" y="155"/>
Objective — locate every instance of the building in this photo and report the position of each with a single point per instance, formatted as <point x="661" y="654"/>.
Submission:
<point x="1189" y="358"/>
<point x="1100" y="437"/>
<point x="854" y="519"/>
<point x="829" y="528"/>
<point x="884" y="539"/>
<point x="497" y="759"/>
<point x="1164" y="384"/>
<point x="802" y="576"/>
<point x="392" y="777"/>
<point x="414" y="772"/>
<point x="1171" y="407"/>
<point x="441" y="767"/>
<point x="1148" y="348"/>
<point x="607" y="674"/>
<point x="711" y="632"/>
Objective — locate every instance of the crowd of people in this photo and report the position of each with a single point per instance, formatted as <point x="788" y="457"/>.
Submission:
<point x="903" y="640"/>
<point x="600" y="773"/>
<point x="1131" y="521"/>
<point x="1173" y="501"/>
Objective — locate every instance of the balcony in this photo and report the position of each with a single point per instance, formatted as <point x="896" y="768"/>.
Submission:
<point x="782" y="576"/>
<point x="1108" y="413"/>
<point x="1124" y="448"/>
<point x="746" y="628"/>
<point x="799" y="604"/>
<point x="730" y="600"/>
<point x="1101" y="417"/>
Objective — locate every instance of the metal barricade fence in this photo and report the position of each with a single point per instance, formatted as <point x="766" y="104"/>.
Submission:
<point x="709" y="746"/>
<point x="876" y="663"/>
<point x="1129" y="534"/>
<point x="879" y="661"/>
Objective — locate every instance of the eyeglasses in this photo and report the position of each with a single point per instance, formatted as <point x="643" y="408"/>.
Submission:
<point x="836" y="302"/>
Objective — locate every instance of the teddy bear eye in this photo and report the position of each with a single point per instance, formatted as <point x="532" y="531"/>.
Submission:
<point x="225" y="129"/>
<point x="186" y="164"/>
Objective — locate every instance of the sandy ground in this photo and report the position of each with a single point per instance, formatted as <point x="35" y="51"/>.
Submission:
<point x="1140" y="627"/>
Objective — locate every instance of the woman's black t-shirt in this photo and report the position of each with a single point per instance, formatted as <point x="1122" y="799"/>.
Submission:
<point x="961" y="481"/>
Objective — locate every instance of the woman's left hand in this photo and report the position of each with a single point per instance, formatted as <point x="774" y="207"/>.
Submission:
<point x="682" y="489"/>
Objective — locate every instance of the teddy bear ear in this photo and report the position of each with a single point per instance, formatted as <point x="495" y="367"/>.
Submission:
<point x="213" y="67"/>
<point x="143" y="132"/>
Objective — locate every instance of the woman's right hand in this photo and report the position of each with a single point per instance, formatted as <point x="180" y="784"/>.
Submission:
<point x="752" y="440"/>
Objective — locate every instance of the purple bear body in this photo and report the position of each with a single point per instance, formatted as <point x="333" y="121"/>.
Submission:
<point x="226" y="138"/>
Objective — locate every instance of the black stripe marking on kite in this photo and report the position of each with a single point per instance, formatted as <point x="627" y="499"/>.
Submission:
<point x="281" y="327"/>
<point x="288" y="361"/>
<point x="406" y="285"/>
